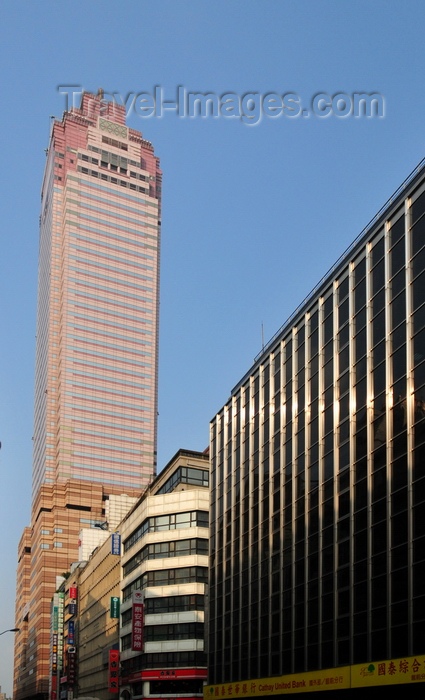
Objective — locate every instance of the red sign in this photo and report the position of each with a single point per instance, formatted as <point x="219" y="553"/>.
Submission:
<point x="137" y="627"/>
<point x="53" y="694"/>
<point x="170" y="674"/>
<point x="73" y="593"/>
<point x="113" y="670"/>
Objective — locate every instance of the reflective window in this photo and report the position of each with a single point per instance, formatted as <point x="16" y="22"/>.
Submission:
<point x="378" y="277"/>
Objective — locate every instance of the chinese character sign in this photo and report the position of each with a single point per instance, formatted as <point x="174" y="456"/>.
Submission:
<point x="114" y="607"/>
<point x="402" y="671"/>
<point x="116" y="543"/>
<point x="113" y="670"/>
<point x="71" y="668"/>
<point x="137" y="627"/>
<point x="54" y="654"/>
<point x="71" y="633"/>
<point x="410" y="669"/>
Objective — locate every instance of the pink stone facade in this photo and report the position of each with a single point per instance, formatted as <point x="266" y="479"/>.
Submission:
<point x="95" y="415"/>
<point x="96" y="383"/>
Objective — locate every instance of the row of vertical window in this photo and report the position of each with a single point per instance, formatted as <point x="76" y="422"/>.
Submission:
<point x="163" y="550"/>
<point x="172" y="521"/>
<point x="312" y="530"/>
<point x="167" y="577"/>
<point x="186" y="475"/>
<point x="113" y="193"/>
<point x="167" y="604"/>
<point x="114" y="161"/>
<point x="114" y="181"/>
<point x="163" y="633"/>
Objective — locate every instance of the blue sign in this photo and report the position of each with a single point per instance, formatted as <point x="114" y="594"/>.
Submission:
<point x="116" y="543"/>
<point x="71" y="632"/>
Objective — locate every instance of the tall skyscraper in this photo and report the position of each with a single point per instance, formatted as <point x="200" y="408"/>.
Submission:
<point x="95" y="415"/>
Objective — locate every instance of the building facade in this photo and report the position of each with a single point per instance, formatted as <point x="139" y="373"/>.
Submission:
<point x="95" y="415"/>
<point x="91" y="627"/>
<point x="163" y="583"/>
<point x="85" y="613"/>
<point x="318" y="480"/>
<point x="95" y="651"/>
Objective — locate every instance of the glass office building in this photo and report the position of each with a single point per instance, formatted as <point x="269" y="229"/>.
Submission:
<point x="318" y="471"/>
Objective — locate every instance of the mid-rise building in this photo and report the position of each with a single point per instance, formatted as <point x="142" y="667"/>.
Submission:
<point x="95" y="413"/>
<point x="129" y="620"/>
<point x="163" y="584"/>
<point x="318" y="482"/>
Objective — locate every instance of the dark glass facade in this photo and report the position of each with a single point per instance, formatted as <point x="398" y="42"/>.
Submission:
<point x="318" y="471"/>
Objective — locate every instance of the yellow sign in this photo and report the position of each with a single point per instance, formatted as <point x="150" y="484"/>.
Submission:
<point x="330" y="679"/>
<point x="409" y="669"/>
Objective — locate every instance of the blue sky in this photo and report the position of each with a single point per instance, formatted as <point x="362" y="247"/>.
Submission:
<point x="253" y="215"/>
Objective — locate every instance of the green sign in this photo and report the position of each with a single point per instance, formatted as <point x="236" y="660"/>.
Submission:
<point x="115" y="607"/>
<point x="113" y="128"/>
